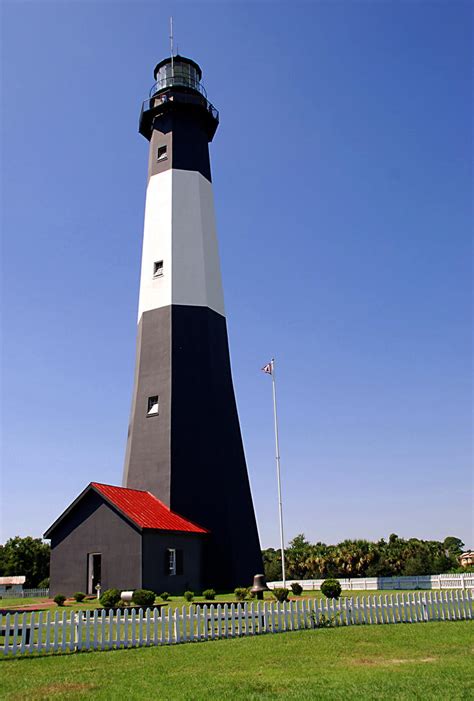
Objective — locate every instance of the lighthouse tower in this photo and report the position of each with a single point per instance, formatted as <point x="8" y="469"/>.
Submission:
<point x="184" y="443"/>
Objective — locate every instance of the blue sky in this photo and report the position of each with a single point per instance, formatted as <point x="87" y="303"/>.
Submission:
<point x="342" y="174"/>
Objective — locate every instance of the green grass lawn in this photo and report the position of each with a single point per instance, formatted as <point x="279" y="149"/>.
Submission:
<point x="419" y="661"/>
<point x="15" y="601"/>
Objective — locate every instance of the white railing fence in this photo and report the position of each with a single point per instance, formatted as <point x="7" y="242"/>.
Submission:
<point x="44" y="631"/>
<point x="429" y="581"/>
<point x="24" y="594"/>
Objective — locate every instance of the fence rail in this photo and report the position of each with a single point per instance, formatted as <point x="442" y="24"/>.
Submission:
<point x="44" y="631"/>
<point x="433" y="581"/>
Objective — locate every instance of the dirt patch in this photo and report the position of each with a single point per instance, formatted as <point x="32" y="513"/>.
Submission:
<point x="57" y="689"/>
<point x="363" y="662"/>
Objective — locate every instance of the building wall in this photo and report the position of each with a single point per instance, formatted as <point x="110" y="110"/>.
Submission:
<point x="93" y="526"/>
<point x="155" y="547"/>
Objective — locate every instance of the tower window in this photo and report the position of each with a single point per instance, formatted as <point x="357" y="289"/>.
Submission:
<point x="158" y="268"/>
<point x="152" y="406"/>
<point x="162" y="153"/>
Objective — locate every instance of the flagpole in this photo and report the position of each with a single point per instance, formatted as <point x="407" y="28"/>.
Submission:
<point x="277" y="457"/>
<point x="172" y="49"/>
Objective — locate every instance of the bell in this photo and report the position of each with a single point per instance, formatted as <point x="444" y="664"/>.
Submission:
<point x="259" y="586"/>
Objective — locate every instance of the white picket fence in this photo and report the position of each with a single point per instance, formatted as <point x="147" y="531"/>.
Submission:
<point x="44" y="632"/>
<point x="24" y="594"/>
<point x="429" y="581"/>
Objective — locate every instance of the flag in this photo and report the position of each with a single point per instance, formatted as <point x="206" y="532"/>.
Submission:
<point x="268" y="368"/>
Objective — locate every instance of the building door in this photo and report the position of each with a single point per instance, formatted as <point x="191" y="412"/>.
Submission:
<point x="94" y="572"/>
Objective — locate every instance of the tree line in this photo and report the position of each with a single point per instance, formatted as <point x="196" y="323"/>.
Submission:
<point x="304" y="560"/>
<point x="26" y="556"/>
<point x="363" y="558"/>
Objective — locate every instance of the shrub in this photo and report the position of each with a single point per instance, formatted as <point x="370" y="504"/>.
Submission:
<point x="79" y="596"/>
<point x="331" y="588"/>
<point x="281" y="594"/>
<point x="189" y="595"/>
<point x="209" y="594"/>
<point x="143" y="597"/>
<point x="59" y="599"/>
<point x="323" y="621"/>
<point x="44" y="584"/>
<point x="461" y="570"/>
<point x="110" y="598"/>
<point x="165" y="596"/>
<point x="241" y="593"/>
<point x="297" y="589"/>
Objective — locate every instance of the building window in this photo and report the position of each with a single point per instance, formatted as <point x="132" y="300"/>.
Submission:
<point x="158" y="268"/>
<point x="162" y="153"/>
<point x="152" y="406"/>
<point x="171" y="561"/>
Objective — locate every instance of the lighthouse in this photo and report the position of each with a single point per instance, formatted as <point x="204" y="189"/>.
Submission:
<point x="183" y="518"/>
<point x="184" y="442"/>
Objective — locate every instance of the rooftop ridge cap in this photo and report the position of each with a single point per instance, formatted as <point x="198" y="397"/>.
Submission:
<point x="128" y="489"/>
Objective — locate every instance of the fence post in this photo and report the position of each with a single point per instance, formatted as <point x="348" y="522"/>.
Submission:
<point x="424" y="606"/>
<point x="32" y="632"/>
<point x="177" y="630"/>
<point x="232" y="620"/>
<point x="48" y="631"/>
<point x="170" y="626"/>
<point x="219" y="620"/>
<point x="468" y="595"/>
<point x="467" y="604"/>
<point x="147" y="626"/>
<point x="159" y="625"/>
<point x="203" y="610"/>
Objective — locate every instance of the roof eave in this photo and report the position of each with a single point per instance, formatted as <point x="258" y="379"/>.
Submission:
<point x="176" y="530"/>
<point x="56" y="523"/>
<point x="90" y="487"/>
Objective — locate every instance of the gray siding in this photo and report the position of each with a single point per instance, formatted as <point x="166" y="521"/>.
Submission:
<point x="147" y="458"/>
<point x="93" y="526"/>
<point x="155" y="546"/>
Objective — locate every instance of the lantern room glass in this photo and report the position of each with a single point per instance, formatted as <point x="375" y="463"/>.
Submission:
<point x="181" y="73"/>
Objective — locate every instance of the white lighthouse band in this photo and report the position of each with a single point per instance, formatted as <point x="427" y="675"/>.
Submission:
<point x="180" y="258"/>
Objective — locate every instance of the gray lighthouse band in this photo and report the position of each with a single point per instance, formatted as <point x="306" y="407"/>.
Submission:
<point x="184" y="442"/>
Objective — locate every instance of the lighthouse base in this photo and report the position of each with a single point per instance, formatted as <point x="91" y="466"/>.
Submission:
<point x="190" y="454"/>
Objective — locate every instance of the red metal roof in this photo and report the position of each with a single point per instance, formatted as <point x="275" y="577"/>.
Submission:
<point x="145" y="510"/>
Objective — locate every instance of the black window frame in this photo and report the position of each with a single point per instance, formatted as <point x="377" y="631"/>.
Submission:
<point x="162" y="152"/>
